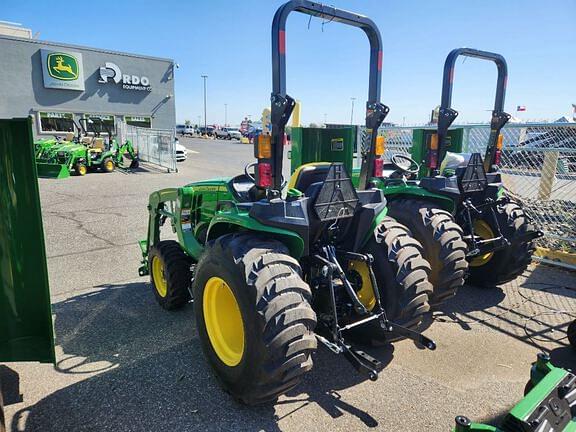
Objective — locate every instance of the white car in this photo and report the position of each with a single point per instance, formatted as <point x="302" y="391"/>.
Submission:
<point x="234" y="133"/>
<point x="181" y="152"/>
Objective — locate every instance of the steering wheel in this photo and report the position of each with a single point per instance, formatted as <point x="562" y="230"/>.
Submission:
<point x="405" y="164"/>
<point x="251" y="176"/>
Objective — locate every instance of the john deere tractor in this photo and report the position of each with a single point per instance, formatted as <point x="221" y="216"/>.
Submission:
<point x="549" y="403"/>
<point x="87" y="152"/>
<point x="453" y="203"/>
<point x="499" y="235"/>
<point x="270" y="275"/>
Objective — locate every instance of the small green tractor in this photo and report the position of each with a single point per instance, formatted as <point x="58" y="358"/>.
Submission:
<point x="87" y="152"/>
<point x="499" y="235"/>
<point x="549" y="403"/>
<point x="271" y="274"/>
<point x="461" y="214"/>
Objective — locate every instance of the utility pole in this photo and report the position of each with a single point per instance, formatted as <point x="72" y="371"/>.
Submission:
<point x="205" y="123"/>
<point x="225" y="114"/>
<point x="352" y="112"/>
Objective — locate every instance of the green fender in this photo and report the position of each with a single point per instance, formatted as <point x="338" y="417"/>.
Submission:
<point x="231" y="220"/>
<point x="405" y="190"/>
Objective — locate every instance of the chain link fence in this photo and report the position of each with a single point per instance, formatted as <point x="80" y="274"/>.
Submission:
<point x="154" y="146"/>
<point x="538" y="167"/>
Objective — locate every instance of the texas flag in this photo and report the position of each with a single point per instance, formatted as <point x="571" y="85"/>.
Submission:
<point x="521" y="108"/>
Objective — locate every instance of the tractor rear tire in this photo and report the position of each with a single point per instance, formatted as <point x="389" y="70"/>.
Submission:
<point x="402" y="276"/>
<point x="572" y="334"/>
<point x="170" y="274"/>
<point x="509" y="263"/>
<point x="272" y="310"/>
<point x="441" y="238"/>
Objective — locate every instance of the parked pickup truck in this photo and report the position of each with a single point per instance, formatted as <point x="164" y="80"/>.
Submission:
<point x="227" y="133"/>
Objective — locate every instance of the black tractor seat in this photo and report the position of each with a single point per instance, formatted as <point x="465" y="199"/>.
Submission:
<point x="308" y="174"/>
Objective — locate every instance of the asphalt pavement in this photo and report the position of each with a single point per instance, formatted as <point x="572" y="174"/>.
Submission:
<point x="124" y="364"/>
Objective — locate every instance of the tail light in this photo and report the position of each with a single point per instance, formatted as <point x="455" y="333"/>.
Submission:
<point x="264" y="147"/>
<point x="378" y="167"/>
<point x="264" y="175"/>
<point x="498" y="153"/>
<point x="432" y="159"/>
<point x="380" y="146"/>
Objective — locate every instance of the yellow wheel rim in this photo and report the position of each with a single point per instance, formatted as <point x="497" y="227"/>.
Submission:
<point x="82" y="170"/>
<point x="482" y="230"/>
<point x="158" y="277"/>
<point x="109" y="165"/>
<point x="223" y="321"/>
<point x="366" y="291"/>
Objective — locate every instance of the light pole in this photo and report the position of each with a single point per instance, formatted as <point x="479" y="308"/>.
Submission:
<point x="225" y="114"/>
<point x="352" y="112"/>
<point x="205" y="123"/>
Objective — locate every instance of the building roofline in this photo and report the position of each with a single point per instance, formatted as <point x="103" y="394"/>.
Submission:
<point x="105" y="51"/>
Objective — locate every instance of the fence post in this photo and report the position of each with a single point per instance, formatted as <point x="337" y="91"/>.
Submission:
<point x="548" y="175"/>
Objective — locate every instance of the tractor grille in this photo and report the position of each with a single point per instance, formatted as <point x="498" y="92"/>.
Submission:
<point x="337" y="198"/>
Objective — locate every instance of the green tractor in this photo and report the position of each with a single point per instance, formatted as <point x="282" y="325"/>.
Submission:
<point x="25" y="315"/>
<point x="499" y="235"/>
<point x="549" y="403"/>
<point x="459" y="212"/>
<point x="88" y="152"/>
<point x="271" y="275"/>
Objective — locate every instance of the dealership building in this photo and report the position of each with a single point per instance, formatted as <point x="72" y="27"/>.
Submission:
<point x="58" y="83"/>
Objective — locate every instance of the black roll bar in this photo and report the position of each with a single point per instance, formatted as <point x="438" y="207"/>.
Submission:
<point x="447" y="115"/>
<point x="282" y="104"/>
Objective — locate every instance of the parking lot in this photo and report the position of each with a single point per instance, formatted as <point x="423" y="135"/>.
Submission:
<point x="126" y="365"/>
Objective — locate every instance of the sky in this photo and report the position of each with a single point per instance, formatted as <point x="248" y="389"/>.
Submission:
<point x="327" y="65"/>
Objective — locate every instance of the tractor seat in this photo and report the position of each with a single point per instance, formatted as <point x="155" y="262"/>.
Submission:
<point x="69" y="136"/>
<point x="308" y="174"/>
<point x="98" y="143"/>
<point x="86" y="140"/>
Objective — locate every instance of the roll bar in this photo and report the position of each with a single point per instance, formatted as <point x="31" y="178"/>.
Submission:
<point x="447" y="115"/>
<point x="282" y="104"/>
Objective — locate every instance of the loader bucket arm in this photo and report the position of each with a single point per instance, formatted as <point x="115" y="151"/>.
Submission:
<point x="447" y="115"/>
<point x="282" y="104"/>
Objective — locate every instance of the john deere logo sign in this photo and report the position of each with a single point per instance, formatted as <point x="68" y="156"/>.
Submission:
<point x="62" y="70"/>
<point x="62" y="66"/>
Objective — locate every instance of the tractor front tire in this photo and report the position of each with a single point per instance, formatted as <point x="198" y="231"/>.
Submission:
<point x="441" y="238"/>
<point x="253" y="317"/>
<point x="402" y="276"/>
<point x="80" y="169"/>
<point x="170" y="274"/>
<point x="108" y="165"/>
<point x="506" y="264"/>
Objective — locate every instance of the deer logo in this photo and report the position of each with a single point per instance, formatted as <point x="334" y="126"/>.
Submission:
<point x="62" y="66"/>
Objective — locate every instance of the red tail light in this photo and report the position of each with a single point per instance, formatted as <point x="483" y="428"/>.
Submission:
<point x="378" y="167"/>
<point x="264" y="175"/>
<point x="497" y="157"/>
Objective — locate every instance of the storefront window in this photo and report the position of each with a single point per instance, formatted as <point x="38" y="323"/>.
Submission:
<point x="56" y="122"/>
<point x="107" y="123"/>
<point x="139" y="121"/>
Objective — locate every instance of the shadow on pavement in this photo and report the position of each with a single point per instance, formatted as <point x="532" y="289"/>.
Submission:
<point x="144" y="370"/>
<point x="535" y="308"/>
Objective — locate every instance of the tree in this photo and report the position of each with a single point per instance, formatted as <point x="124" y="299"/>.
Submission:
<point x="187" y="122"/>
